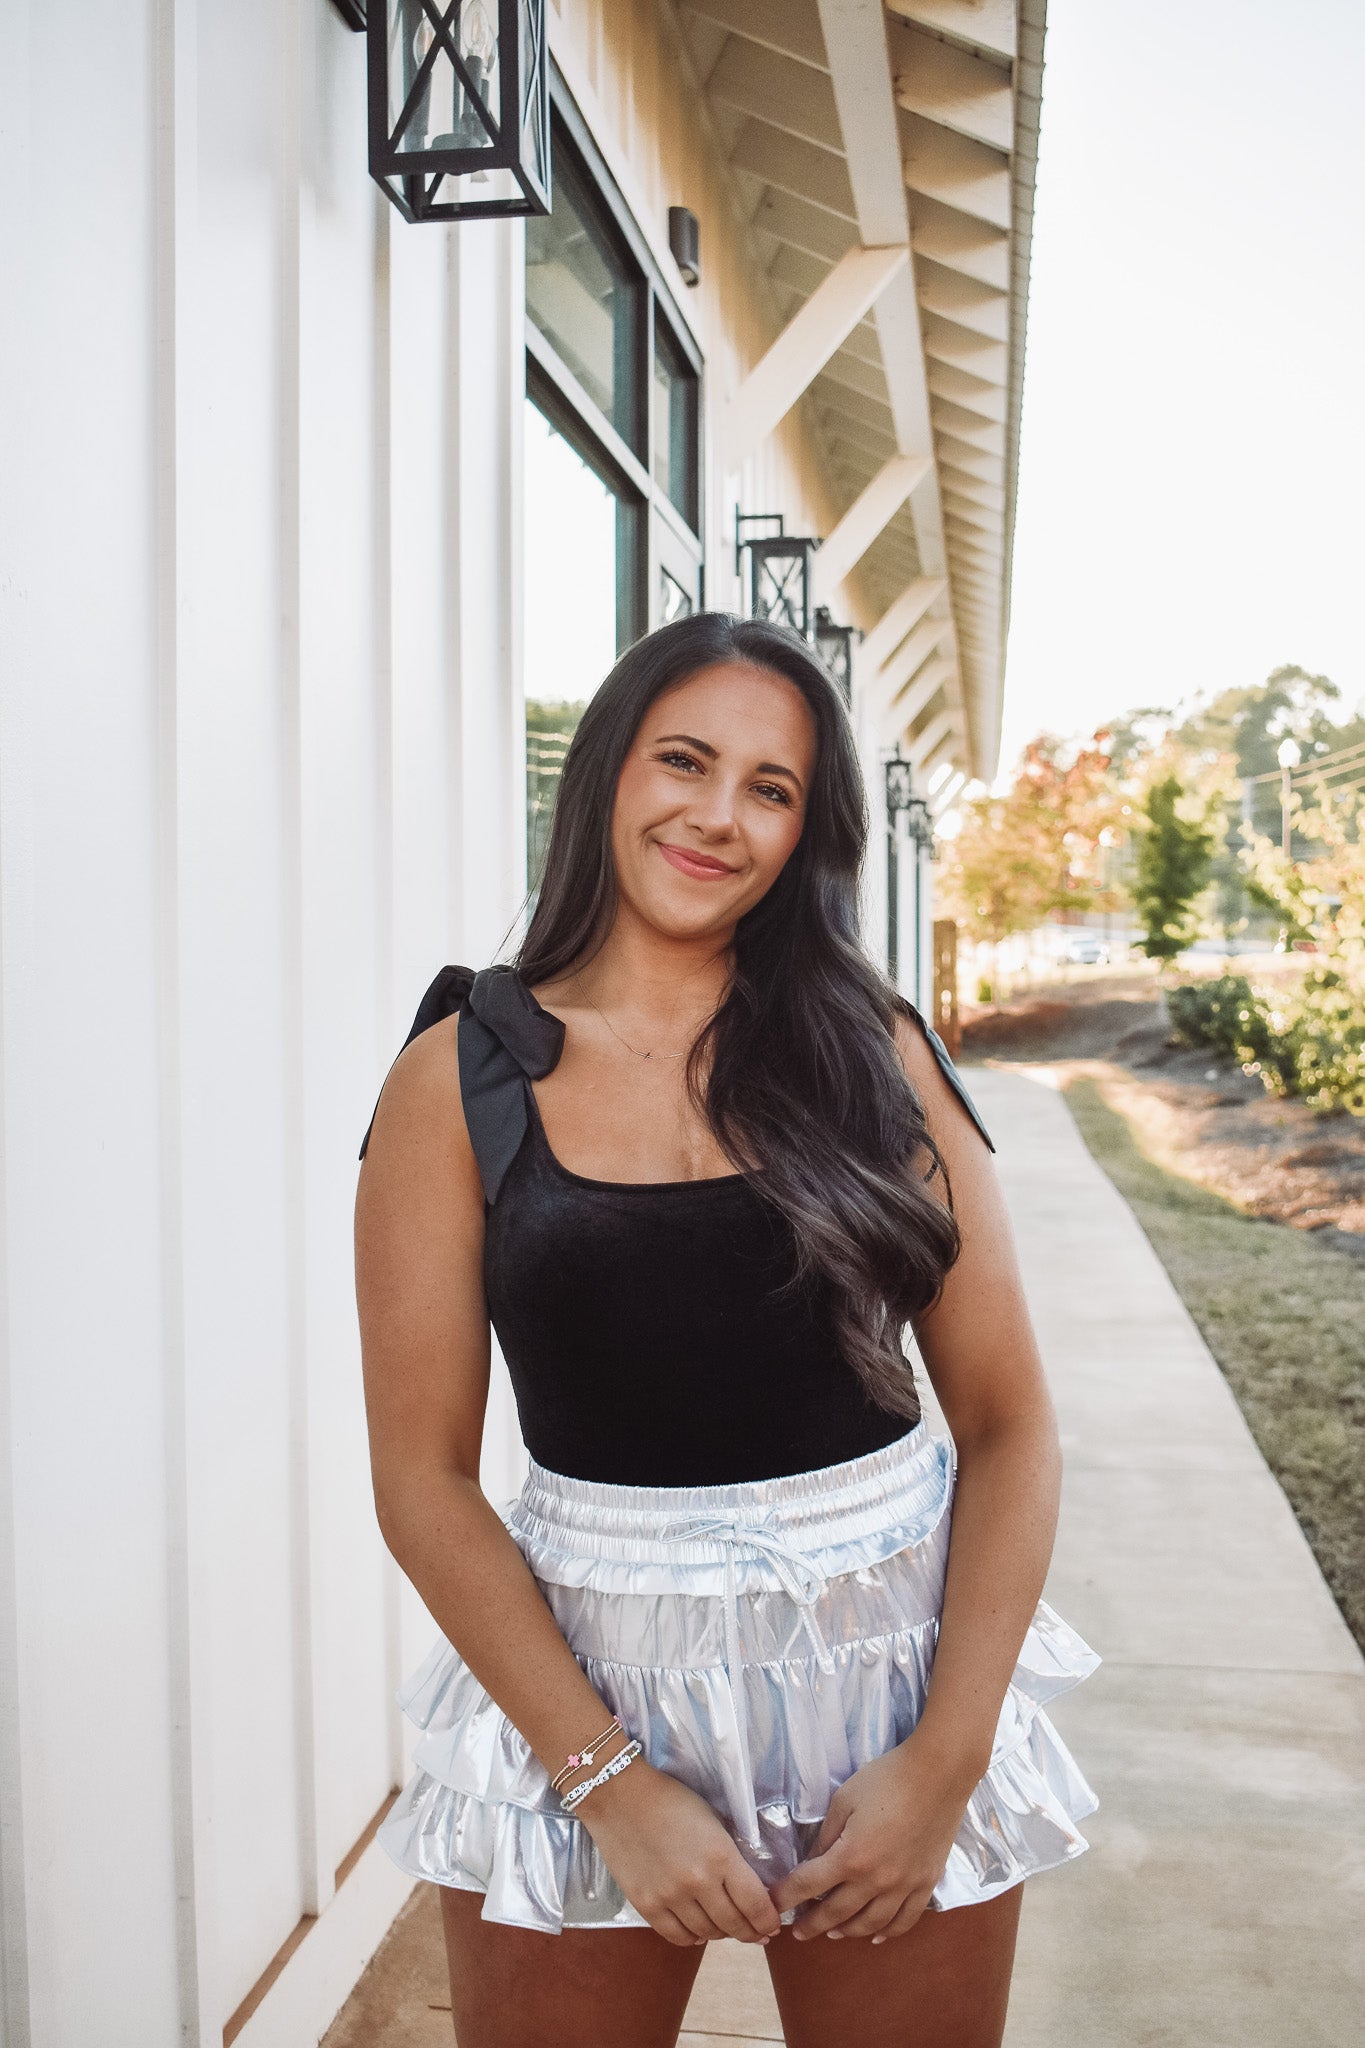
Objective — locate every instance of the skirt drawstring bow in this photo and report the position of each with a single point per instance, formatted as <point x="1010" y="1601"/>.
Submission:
<point x="801" y="1580"/>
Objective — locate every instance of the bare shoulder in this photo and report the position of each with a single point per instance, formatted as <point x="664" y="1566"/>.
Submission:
<point x="419" y="1126"/>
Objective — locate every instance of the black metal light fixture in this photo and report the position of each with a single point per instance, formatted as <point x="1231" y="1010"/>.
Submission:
<point x="779" y="572"/>
<point x="834" y="645"/>
<point x="684" y="242"/>
<point x="902" y="802"/>
<point x="459" y="107"/>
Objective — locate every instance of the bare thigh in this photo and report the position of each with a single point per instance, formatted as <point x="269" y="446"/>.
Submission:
<point x="945" y="1984"/>
<point x="590" y="1987"/>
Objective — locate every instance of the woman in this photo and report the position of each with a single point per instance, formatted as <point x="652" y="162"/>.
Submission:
<point x="701" y="1168"/>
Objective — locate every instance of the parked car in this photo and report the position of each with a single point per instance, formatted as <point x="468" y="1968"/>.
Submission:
<point x="1085" y="949"/>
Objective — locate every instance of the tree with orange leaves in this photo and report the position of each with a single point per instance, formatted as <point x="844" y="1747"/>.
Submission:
<point x="1041" y="847"/>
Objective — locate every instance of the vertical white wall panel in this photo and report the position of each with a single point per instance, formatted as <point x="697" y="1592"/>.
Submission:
<point x="78" y="864"/>
<point x="344" y="908"/>
<point x="261" y="774"/>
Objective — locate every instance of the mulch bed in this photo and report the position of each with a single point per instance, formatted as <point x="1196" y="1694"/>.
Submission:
<point x="1195" y="1114"/>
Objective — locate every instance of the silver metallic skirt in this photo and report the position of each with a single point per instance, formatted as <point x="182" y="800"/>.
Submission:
<point x="763" y="1641"/>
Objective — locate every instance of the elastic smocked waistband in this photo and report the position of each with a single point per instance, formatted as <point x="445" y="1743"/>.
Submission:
<point x="880" y="1502"/>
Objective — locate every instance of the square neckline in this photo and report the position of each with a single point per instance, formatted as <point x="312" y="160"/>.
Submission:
<point x="586" y="1180"/>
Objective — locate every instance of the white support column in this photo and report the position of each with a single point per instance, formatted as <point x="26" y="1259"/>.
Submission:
<point x="805" y="345"/>
<point x="866" y="516"/>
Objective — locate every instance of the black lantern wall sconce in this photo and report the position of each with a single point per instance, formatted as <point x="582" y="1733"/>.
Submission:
<point x="902" y="802"/>
<point x="779" y="564"/>
<point x="459" y="105"/>
<point x="834" y="645"/>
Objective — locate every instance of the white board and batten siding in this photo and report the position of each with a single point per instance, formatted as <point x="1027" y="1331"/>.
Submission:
<point x="261" y="775"/>
<point x="261" y="772"/>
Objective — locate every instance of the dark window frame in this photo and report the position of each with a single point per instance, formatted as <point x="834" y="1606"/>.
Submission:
<point x="658" y="536"/>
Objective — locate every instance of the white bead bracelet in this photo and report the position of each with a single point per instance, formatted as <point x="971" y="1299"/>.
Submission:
<point x="571" y="1801"/>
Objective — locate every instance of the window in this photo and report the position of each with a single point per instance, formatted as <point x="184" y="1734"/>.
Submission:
<point x="613" y="452"/>
<point x="581" y="296"/>
<point x="674" y="425"/>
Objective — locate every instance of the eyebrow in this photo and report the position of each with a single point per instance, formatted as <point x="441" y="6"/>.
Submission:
<point x="704" y="747"/>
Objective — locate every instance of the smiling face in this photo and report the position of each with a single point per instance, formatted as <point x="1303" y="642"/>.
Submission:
<point x="712" y="798"/>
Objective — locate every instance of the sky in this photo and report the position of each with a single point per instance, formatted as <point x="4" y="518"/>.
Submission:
<point x="1191" y="505"/>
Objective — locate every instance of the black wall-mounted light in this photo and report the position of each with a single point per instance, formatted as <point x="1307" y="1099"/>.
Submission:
<point x="352" y="12"/>
<point x="902" y="801"/>
<point x="459" y="106"/>
<point x="684" y="242"/>
<point x="779" y="572"/>
<point x="834" y="645"/>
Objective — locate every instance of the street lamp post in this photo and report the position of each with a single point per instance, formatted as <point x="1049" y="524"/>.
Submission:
<point x="1288" y="758"/>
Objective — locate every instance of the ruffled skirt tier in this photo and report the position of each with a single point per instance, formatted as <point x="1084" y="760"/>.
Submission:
<point x="763" y="1641"/>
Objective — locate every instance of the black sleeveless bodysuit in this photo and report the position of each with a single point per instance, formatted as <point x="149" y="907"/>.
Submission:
<point x="647" y="1331"/>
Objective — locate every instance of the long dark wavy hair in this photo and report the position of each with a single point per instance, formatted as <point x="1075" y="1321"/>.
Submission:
<point x="802" y="1079"/>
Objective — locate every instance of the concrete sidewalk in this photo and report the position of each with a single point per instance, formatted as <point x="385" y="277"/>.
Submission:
<point x="1222" y="1904"/>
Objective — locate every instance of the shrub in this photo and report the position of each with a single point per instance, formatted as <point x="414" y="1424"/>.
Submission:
<point x="1225" y="1014"/>
<point x="1308" y="1041"/>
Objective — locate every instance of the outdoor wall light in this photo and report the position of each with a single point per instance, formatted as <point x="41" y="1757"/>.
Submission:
<point x="901" y="801"/>
<point x="778" y="572"/>
<point x="834" y="645"/>
<point x="459" y="106"/>
<point x="684" y="242"/>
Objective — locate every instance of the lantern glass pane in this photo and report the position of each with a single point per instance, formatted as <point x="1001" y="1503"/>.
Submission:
<point x="780" y="589"/>
<point x="834" y="645"/>
<point x="477" y="188"/>
<point x="433" y="103"/>
<point x="582" y="298"/>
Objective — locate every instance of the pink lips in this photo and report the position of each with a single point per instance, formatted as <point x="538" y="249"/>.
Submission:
<point x="695" y="864"/>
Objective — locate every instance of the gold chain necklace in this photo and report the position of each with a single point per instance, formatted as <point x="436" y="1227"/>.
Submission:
<point x="616" y="1034"/>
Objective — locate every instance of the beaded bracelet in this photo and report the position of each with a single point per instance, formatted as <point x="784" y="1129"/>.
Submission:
<point x="576" y="1760"/>
<point x="571" y="1801"/>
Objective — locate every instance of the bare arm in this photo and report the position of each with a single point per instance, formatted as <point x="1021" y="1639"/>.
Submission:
<point x="425" y="1347"/>
<point x="890" y="1827"/>
<point x="982" y="1356"/>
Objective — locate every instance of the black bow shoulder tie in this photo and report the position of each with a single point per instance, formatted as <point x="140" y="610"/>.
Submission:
<point x="506" y="1040"/>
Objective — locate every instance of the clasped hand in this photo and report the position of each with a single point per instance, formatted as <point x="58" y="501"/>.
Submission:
<point x="880" y="1852"/>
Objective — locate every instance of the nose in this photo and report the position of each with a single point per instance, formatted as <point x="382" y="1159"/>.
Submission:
<point x="712" y="808"/>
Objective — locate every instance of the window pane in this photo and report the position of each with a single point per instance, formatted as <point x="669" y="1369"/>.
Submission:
<point x="674" y="405"/>
<point x="582" y="298"/>
<point x="579" y="552"/>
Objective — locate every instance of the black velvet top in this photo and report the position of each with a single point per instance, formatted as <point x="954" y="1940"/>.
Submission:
<point x="644" y="1325"/>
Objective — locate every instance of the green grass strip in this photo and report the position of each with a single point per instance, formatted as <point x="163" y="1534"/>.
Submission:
<point x="1285" y="1318"/>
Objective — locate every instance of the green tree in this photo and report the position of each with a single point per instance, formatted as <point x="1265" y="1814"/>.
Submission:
<point x="1174" y="863"/>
